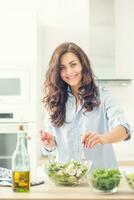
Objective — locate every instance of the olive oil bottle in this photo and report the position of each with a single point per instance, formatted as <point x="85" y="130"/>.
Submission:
<point x="21" y="164"/>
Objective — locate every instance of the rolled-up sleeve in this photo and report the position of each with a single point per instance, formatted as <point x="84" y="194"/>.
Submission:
<point x="115" y="114"/>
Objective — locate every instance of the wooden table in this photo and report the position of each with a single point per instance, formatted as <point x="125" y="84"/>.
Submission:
<point x="52" y="192"/>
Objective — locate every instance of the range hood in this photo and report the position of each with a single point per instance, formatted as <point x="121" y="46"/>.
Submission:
<point x="114" y="81"/>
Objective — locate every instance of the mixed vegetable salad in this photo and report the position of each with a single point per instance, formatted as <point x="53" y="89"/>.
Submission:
<point x="67" y="174"/>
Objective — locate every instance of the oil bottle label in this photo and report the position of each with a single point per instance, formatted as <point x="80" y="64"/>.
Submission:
<point x="21" y="181"/>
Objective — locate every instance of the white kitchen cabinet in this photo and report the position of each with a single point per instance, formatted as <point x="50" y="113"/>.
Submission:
<point x="18" y="31"/>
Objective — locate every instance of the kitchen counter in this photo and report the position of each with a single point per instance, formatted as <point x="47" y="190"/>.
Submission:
<point x="49" y="191"/>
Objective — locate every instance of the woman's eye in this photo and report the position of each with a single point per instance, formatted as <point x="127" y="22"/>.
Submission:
<point x="73" y="64"/>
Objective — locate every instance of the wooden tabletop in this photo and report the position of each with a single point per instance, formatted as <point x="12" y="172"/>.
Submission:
<point x="52" y="192"/>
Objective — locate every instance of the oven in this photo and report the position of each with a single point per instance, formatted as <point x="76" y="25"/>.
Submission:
<point x="9" y="123"/>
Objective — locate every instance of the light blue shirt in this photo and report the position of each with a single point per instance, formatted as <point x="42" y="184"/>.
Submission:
<point x="101" y="120"/>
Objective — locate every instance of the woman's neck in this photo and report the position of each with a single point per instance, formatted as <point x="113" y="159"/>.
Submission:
<point x="74" y="91"/>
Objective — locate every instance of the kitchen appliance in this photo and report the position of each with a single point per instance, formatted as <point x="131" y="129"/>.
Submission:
<point x="9" y="122"/>
<point x="14" y="86"/>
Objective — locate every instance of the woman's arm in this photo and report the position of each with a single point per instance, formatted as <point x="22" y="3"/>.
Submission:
<point x="115" y="135"/>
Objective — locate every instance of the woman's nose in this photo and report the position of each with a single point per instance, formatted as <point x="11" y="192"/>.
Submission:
<point x="69" y="71"/>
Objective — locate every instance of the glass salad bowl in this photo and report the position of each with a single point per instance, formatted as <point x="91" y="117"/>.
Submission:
<point x="105" y="181"/>
<point x="68" y="174"/>
<point x="130" y="179"/>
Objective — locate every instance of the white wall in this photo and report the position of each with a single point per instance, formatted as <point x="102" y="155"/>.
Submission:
<point x="62" y="21"/>
<point x="65" y="13"/>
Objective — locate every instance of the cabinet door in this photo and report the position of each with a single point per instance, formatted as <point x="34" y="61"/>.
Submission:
<point x="18" y="39"/>
<point x="7" y="144"/>
<point x="7" y="147"/>
<point x="5" y="163"/>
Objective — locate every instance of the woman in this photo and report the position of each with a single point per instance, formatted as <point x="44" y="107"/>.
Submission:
<point x="79" y="111"/>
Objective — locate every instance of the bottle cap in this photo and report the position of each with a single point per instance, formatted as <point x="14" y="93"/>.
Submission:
<point x="21" y="127"/>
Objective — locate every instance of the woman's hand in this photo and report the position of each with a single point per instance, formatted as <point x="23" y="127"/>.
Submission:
<point x="91" y="139"/>
<point x="117" y="134"/>
<point x="47" y="140"/>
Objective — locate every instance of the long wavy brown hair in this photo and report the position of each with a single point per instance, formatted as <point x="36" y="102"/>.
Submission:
<point x="56" y="90"/>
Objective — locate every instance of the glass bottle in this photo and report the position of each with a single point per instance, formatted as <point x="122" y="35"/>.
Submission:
<point x="21" y="164"/>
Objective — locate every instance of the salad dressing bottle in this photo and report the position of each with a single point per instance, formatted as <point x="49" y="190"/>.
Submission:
<point x="21" y="164"/>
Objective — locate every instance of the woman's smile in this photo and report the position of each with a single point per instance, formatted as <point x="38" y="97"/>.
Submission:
<point x="72" y="76"/>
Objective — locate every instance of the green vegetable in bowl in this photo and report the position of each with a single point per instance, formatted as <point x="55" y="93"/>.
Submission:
<point x="105" y="179"/>
<point x="67" y="174"/>
<point x="130" y="180"/>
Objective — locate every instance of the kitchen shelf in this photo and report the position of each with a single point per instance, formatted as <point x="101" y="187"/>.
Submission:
<point x="114" y="82"/>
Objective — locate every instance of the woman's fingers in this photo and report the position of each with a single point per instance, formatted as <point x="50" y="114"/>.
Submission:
<point x="45" y="138"/>
<point x="91" y="139"/>
<point x="45" y="135"/>
<point x="93" y="142"/>
<point x="44" y="143"/>
<point x="84" y="137"/>
<point x="87" y="137"/>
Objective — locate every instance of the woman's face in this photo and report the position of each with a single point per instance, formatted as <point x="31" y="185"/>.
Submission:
<point x="71" y="70"/>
